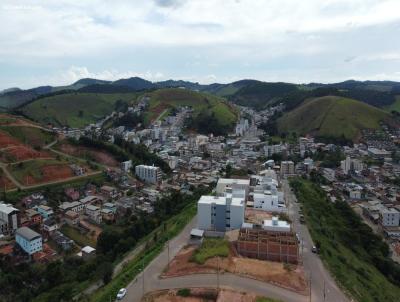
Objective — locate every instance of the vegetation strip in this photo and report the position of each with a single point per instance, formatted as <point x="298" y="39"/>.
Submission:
<point x="356" y="257"/>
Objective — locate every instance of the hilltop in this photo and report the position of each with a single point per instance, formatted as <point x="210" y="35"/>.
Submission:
<point x="74" y="109"/>
<point x="78" y="109"/>
<point x="332" y="116"/>
<point x="210" y="113"/>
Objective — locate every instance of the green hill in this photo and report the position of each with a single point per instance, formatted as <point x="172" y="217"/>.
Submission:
<point x="74" y="109"/>
<point x="332" y="116"/>
<point x="205" y="106"/>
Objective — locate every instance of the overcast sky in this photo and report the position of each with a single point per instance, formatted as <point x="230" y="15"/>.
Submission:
<point x="58" y="42"/>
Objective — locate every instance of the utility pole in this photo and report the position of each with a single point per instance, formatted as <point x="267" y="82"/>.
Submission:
<point x="218" y="273"/>
<point x="168" y="251"/>
<point x="143" y="275"/>
<point x="324" y="290"/>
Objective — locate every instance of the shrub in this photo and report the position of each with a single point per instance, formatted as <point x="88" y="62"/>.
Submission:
<point x="183" y="292"/>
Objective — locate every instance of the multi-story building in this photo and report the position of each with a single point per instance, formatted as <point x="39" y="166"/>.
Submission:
<point x="9" y="219"/>
<point x="75" y="206"/>
<point x="389" y="217"/>
<point x="126" y="165"/>
<point x="351" y="164"/>
<point x="94" y="213"/>
<point x="28" y="240"/>
<point x="45" y="211"/>
<point x="220" y="213"/>
<point x="287" y="168"/>
<point x="227" y="185"/>
<point x="150" y="174"/>
<point x="33" y="216"/>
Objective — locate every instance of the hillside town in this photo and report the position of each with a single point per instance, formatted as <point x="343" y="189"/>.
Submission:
<point x="246" y="174"/>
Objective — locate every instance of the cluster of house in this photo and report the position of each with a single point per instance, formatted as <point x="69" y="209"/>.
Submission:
<point x="273" y="239"/>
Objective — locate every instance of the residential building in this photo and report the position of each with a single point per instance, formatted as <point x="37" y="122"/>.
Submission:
<point x="287" y="168"/>
<point x="50" y="225"/>
<point x="150" y="174"/>
<point x="220" y="213"/>
<point x="126" y="165"/>
<point x="268" y="202"/>
<point x="9" y="219"/>
<point x="71" y="218"/>
<point x="228" y="185"/>
<point x="28" y="240"/>
<point x="33" y="216"/>
<point x="78" y="170"/>
<point x="45" y="211"/>
<point x="276" y="225"/>
<point x="75" y="206"/>
<point x="389" y="217"/>
<point x="93" y="213"/>
<point x="109" y="191"/>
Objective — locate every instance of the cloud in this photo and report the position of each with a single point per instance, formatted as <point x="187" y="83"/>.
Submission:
<point x="281" y="39"/>
<point x="169" y="3"/>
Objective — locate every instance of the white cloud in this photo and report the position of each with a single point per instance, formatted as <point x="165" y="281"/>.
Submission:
<point x="228" y="39"/>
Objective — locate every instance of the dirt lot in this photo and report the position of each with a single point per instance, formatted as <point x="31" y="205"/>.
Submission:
<point x="10" y="120"/>
<point x="256" y="216"/>
<point x="49" y="173"/>
<point x="200" y="295"/>
<point x="12" y="150"/>
<point x="6" y="183"/>
<point x="102" y="157"/>
<point x="290" y="277"/>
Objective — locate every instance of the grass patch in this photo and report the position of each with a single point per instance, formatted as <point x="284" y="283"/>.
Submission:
<point x="332" y="116"/>
<point x="210" y="248"/>
<point x="77" y="236"/>
<point x="32" y="136"/>
<point x="355" y="256"/>
<point x="265" y="299"/>
<point x="183" y="292"/>
<point x="75" y="109"/>
<point x="33" y="168"/>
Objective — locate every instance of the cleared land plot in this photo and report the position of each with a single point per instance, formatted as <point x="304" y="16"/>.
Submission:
<point x="41" y="171"/>
<point x="31" y="136"/>
<point x="87" y="153"/>
<point x="256" y="216"/>
<point x="5" y="182"/>
<point x="12" y="150"/>
<point x="201" y="295"/>
<point x="81" y="238"/>
<point x="290" y="277"/>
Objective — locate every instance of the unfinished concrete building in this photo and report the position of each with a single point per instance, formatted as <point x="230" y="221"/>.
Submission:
<point x="268" y="245"/>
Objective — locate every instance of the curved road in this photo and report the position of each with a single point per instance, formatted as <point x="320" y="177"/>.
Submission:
<point x="323" y="286"/>
<point x="152" y="282"/>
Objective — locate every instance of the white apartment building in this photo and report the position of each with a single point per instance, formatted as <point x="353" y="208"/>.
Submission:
<point x="229" y="185"/>
<point x="351" y="164"/>
<point x="9" y="218"/>
<point x="220" y="213"/>
<point x="389" y="217"/>
<point x="150" y="174"/>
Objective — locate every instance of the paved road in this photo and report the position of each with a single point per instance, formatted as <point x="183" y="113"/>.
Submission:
<point x="151" y="281"/>
<point x="320" y="277"/>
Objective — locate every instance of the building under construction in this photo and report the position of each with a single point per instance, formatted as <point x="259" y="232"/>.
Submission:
<point x="268" y="245"/>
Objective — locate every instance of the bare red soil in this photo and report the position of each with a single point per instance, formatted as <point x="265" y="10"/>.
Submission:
<point x="99" y="156"/>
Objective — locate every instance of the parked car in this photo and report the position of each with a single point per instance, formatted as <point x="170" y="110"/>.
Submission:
<point x="302" y="220"/>
<point x="121" y="294"/>
<point x="314" y="249"/>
